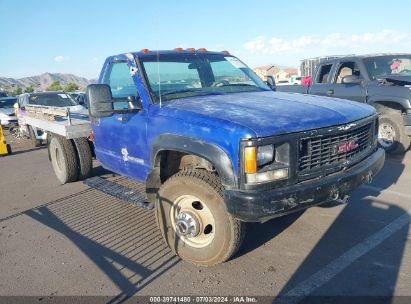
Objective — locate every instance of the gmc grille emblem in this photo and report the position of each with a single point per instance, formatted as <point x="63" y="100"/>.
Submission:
<point x="346" y="146"/>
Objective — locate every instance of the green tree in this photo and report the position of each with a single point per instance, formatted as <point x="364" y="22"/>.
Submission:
<point x="70" y="87"/>
<point x="29" y="89"/>
<point x="18" y="91"/>
<point x="55" y="86"/>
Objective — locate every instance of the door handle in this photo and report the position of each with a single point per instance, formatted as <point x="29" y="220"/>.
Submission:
<point x="330" y="92"/>
<point x="122" y="118"/>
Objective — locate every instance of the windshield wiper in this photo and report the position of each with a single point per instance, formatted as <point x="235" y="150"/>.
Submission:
<point x="179" y="91"/>
<point x="197" y="92"/>
<point x="244" y="85"/>
<point x="239" y="85"/>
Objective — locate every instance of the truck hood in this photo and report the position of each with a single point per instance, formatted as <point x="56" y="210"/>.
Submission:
<point x="270" y="113"/>
<point x="399" y="80"/>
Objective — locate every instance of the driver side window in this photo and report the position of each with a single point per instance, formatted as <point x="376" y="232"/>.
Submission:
<point x="347" y="69"/>
<point x="121" y="82"/>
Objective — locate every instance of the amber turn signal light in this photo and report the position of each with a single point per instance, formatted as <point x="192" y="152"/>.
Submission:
<point x="250" y="160"/>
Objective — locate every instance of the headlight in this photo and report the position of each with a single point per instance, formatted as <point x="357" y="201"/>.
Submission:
<point x="265" y="155"/>
<point x="267" y="176"/>
<point x="266" y="163"/>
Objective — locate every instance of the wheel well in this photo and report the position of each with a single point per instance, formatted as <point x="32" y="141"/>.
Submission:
<point x="171" y="162"/>
<point x="168" y="163"/>
<point x="381" y="105"/>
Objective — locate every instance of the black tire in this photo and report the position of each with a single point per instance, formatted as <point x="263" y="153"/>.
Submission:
<point x="391" y="121"/>
<point x="64" y="160"/>
<point x="84" y="157"/>
<point x="35" y="142"/>
<point x="208" y="189"/>
<point x="9" y="150"/>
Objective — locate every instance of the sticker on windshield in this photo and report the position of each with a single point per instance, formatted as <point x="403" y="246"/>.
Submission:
<point x="235" y="62"/>
<point x="63" y="95"/>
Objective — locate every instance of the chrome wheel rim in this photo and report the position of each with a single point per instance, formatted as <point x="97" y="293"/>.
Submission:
<point x="192" y="221"/>
<point x="386" y="135"/>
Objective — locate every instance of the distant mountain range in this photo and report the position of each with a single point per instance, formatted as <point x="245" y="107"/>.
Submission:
<point x="41" y="82"/>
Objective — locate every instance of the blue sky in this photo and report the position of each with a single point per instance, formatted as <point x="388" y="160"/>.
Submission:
<point x="75" y="36"/>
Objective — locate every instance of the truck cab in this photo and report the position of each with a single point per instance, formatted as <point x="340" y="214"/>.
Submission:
<point x="217" y="148"/>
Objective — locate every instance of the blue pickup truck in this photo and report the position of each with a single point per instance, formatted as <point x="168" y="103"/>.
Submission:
<point x="217" y="148"/>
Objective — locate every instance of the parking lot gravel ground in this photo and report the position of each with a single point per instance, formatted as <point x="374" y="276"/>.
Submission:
<point x="73" y="240"/>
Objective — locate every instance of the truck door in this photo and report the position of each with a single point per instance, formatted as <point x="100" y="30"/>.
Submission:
<point x="352" y="91"/>
<point x="120" y="140"/>
<point x="321" y="82"/>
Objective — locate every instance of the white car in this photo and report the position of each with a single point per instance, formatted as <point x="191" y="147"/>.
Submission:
<point x="7" y="114"/>
<point x="296" y="80"/>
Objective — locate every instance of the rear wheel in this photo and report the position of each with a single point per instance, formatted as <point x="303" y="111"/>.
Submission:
<point x="63" y="159"/>
<point x="391" y="132"/>
<point x="84" y="157"/>
<point x="194" y="221"/>
<point x="9" y="151"/>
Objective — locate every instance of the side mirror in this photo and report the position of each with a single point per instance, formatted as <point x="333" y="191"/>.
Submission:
<point x="271" y="83"/>
<point x="351" y="79"/>
<point x="100" y="100"/>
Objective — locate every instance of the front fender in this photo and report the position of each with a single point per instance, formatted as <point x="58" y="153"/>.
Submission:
<point x="212" y="153"/>
<point x="404" y="102"/>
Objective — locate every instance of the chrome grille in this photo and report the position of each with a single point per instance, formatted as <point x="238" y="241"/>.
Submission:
<point x="320" y="151"/>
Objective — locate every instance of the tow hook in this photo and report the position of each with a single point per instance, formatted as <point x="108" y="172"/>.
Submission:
<point x="369" y="177"/>
<point x="336" y="197"/>
<point x="343" y="200"/>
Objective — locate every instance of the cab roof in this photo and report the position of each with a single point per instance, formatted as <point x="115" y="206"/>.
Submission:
<point x="147" y="52"/>
<point x="352" y="57"/>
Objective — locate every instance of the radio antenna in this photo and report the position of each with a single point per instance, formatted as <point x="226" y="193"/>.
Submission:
<point x="158" y="76"/>
<point x="157" y="31"/>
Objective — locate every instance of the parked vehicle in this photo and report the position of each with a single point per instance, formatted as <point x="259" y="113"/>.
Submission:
<point x="7" y="115"/>
<point x="282" y="82"/>
<point x="296" y="80"/>
<point x="79" y="97"/>
<point x="51" y="99"/>
<point x="383" y="81"/>
<point x="215" y="146"/>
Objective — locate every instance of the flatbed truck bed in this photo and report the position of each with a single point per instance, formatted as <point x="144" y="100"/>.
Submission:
<point x="58" y="121"/>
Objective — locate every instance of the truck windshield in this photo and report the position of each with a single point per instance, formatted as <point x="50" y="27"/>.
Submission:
<point x="52" y="100"/>
<point x="173" y="76"/>
<point x="390" y="65"/>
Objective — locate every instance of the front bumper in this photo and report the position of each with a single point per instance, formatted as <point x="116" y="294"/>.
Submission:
<point x="407" y="123"/>
<point x="257" y="206"/>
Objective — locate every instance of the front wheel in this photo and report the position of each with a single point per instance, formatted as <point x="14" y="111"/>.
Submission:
<point x="194" y="221"/>
<point x="391" y="133"/>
